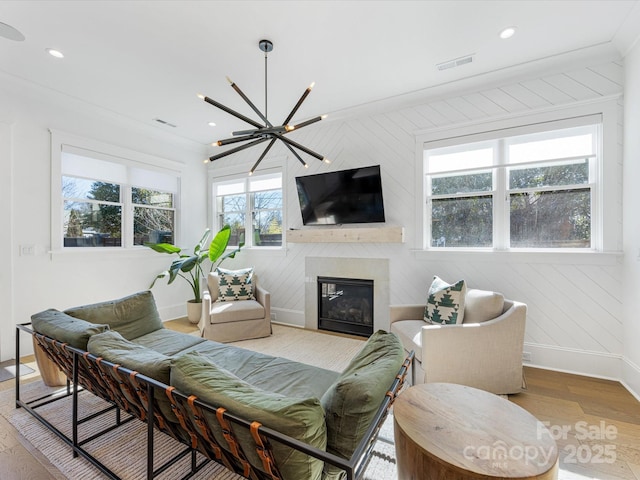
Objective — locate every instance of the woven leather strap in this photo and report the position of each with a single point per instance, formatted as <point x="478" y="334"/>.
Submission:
<point x="126" y="386"/>
<point x="109" y="381"/>
<point x="264" y="452"/>
<point x="178" y="413"/>
<point x="232" y="442"/>
<point x="206" y="432"/>
<point x="144" y="405"/>
<point x="198" y="418"/>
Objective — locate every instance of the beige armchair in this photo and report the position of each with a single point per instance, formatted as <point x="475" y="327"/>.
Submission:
<point x="231" y="321"/>
<point x="485" y="351"/>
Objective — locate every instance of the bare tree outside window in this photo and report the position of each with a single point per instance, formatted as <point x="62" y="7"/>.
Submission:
<point x="259" y="210"/>
<point x="93" y="213"/>
<point x="153" y="216"/>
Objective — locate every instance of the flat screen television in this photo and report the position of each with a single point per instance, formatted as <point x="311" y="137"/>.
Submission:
<point x="346" y="196"/>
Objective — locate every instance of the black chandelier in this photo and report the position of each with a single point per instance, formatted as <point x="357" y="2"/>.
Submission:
<point x="267" y="132"/>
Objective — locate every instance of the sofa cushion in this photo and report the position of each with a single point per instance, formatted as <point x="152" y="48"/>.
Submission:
<point x="352" y="401"/>
<point x="116" y="349"/>
<point x="132" y="316"/>
<point x="235" y="284"/>
<point x="225" y="311"/>
<point x="65" y="328"/>
<point x="168" y="342"/>
<point x="274" y="374"/>
<point x="410" y="334"/>
<point x="482" y="305"/>
<point x="445" y="302"/>
<point x="301" y="418"/>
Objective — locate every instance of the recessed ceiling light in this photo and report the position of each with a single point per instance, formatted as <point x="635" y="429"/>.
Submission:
<point x="7" y="31"/>
<point x="507" y="32"/>
<point x="212" y="124"/>
<point x="55" y="53"/>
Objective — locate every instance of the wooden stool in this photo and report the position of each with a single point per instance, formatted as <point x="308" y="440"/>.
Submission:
<point x="454" y="432"/>
<point x="51" y="375"/>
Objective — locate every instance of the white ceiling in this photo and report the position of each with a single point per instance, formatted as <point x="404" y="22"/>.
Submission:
<point x="149" y="59"/>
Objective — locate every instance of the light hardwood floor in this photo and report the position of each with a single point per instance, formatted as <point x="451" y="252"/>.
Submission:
<point x="593" y="420"/>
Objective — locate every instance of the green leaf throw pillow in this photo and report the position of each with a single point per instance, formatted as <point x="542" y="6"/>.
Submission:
<point x="235" y="284"/>
<point x="445" y="303"/>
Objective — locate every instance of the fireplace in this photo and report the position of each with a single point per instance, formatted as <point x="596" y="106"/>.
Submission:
<point x="345" y="305"/>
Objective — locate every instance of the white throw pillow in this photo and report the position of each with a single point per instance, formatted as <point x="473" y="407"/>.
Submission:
<point x="482" y="305"/>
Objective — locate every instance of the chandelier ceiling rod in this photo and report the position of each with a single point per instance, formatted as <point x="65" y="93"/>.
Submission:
<point x="262" y="133"/>
<point x="266" y="46"/>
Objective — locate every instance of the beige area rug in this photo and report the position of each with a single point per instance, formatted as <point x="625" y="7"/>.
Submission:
<point x="319" y="349"/>
<point x="124" y="449"/>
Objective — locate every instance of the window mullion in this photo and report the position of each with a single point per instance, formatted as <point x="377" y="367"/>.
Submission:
<point x="127" y="216"/>
<point x="250" y="218"/>
<point x="500" y="199"/>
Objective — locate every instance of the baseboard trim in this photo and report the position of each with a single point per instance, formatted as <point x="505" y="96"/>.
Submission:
<point x="631" y="377"/>
<point x="607" y="366"/>
<point x="173" y="312"/>
<point x="284" y="316"/>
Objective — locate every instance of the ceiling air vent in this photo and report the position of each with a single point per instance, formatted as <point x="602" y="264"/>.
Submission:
<point x="164" y="122"/>
<point x="456" y="62"/>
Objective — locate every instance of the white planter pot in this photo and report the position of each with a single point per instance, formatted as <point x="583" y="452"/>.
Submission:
<point x="194" y="311"/>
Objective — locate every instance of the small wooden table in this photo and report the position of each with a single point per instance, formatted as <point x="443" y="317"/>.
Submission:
<point x="51" y="375"/>
<point x="453" y="432"/>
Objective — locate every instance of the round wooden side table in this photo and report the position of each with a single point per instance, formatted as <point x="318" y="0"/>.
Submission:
<point x="454" y="432"/>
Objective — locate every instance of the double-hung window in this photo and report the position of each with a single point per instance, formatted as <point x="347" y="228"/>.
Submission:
<point x="109" y="202"/>
<point x="252" y="206"/>
<point x="535" y="189"/>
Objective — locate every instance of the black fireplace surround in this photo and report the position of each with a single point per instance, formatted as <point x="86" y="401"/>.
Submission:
<point x="345" y="305"/>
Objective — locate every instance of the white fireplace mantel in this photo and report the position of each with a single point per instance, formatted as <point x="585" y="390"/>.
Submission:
<point x="376" y="269"/>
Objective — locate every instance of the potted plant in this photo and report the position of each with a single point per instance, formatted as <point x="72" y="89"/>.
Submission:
<point x="189" y="266"/>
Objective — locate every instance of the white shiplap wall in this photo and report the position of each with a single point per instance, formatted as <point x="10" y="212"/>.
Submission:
<point x="575" y="309"/>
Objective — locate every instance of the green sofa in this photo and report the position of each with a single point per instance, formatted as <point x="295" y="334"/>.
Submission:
<point x="259" y="415"/>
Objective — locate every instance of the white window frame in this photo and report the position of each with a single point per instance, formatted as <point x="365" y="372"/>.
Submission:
<point x="131" y="160"/>
<point x="606" y="229"/>
<point x="215" y="180"/>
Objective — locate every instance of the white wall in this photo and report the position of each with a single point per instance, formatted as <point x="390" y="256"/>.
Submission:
<point x="6" y="244"/>
<point x="43" y="280"/>
<point x="631" y="268"/>
<point x="575" y="320"/>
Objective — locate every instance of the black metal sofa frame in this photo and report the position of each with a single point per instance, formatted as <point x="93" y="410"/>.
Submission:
<point x="137" y="396"/>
